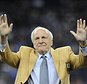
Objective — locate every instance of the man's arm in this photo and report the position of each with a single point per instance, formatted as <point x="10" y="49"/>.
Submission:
<point x="81" y="37"/>
<point x="5" y="30"/>
<point x="81" y="34"/>
<point x="7" y="55"/>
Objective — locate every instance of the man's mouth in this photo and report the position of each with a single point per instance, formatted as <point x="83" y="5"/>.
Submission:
<point x="41" y="45"/>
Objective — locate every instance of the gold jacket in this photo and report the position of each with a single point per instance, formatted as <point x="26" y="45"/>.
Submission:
<point x="25" y="59"/>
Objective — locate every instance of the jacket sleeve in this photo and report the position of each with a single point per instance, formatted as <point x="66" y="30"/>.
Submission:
<point x="76" y="60"/>
<point x="10" y="57"/>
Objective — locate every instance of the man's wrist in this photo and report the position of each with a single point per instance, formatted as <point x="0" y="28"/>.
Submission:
<point x="2" y="47"/>
<point x="4" y="40"/>
<point x="83" y="44"/>
<point x="84" y="50"/>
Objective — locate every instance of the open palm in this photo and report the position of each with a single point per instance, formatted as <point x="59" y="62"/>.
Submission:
<point x="4" y="28"/>
<point x="81" y="34"/>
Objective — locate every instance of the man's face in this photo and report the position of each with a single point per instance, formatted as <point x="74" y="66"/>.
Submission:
<point x="42" y="41"/>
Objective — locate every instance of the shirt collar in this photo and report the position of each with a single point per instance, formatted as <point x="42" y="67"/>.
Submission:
<point x="48" y="55"/>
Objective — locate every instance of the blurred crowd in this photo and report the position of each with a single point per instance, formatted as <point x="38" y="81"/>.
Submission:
<point x="58" y="16"/>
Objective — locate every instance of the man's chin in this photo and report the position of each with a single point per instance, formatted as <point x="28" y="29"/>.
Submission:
<point x="42" y="52"/>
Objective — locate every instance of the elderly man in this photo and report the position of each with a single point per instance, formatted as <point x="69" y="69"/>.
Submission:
<point x="42" y="64"/>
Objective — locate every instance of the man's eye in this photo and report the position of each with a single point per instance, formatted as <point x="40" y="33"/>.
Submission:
<point x="37" y="38"/>
<point x="43" y="37"/>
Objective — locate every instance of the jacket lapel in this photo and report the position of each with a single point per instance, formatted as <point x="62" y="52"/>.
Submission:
<point x="32" y="60"/>
<point x="55" y="57"/>
<point x="27" y="63"/>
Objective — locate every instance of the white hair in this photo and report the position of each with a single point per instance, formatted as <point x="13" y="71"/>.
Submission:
<point x="42" y="28"/>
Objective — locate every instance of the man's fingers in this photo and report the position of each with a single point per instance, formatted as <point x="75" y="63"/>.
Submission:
<point x="11" y="26"/>
<point x="74" y="34"/>
<point x="5" y="18"/>
<point x="84" y="23"/>
<point x="2" y="19"/>
<point x="77" y="23"/>
<point x="80" y="23"/>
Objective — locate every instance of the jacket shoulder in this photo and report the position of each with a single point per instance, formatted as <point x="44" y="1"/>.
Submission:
<point x="63" y="48"/>
<point x="26" y="48"/>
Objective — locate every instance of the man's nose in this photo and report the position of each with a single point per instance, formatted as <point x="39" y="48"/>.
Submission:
<point x="40" y="40"/>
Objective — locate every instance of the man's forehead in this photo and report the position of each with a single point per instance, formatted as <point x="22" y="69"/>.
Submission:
<point x="40" y="31"/>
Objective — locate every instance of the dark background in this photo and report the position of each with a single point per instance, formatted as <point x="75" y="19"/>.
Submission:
<point x="59" y="16"/>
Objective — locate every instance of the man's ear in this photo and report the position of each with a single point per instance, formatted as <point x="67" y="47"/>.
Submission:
<point x="51" y="42"/>
<point x="33" y="44"/>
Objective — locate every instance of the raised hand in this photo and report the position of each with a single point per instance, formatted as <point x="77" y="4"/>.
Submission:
<point x="81" y="34"/>
<point x="5" y="29"/>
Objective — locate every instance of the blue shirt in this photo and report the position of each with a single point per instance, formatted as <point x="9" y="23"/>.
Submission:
<point x="53" y="76"/>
